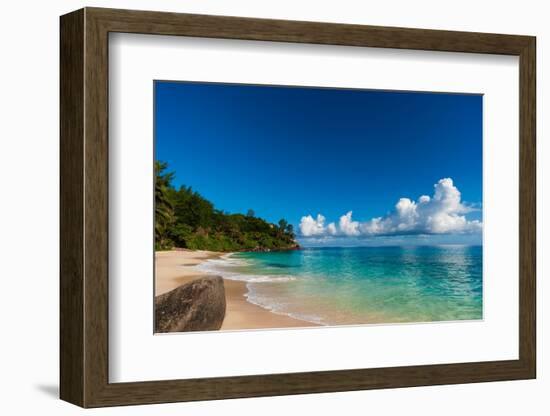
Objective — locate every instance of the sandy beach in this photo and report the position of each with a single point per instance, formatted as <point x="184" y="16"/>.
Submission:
<point x="175" y="268"/>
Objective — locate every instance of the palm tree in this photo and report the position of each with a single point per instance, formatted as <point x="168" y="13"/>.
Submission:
<point x="164" y="209"/>
<point x="290" y="231"/>
<point x="282" y="226"/>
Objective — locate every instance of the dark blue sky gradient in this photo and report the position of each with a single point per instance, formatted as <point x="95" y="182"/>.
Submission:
<point x="287" y="152"/>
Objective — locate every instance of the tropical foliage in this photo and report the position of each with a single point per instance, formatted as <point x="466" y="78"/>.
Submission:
<point x="185" y="219"/>
<point x="164" y="208"/>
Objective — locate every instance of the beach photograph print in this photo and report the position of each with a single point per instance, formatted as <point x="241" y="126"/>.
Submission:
<point x="295" y="207"/>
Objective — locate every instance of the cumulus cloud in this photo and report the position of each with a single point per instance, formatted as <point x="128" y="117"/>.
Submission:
<point x="310" y="227"/>
<point x="443" y="213"/>
<point x="331" y="229"/>
<point x="348" y="226"/>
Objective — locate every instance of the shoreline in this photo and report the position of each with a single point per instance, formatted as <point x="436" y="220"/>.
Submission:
<point x="176" y="267"/>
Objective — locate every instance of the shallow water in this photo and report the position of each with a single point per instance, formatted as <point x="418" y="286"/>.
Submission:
<point x="358" y="285"/>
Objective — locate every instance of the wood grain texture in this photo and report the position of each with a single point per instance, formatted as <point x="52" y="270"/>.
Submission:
<point x="527" y="208"/>
<point x="71" y="100"/>
<point x="96" y="219"/>
<point x="162" y="23"/>
<point x="84" y="204"/>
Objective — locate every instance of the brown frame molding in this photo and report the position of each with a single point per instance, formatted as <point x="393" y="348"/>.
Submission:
<point x="84" y="207"/>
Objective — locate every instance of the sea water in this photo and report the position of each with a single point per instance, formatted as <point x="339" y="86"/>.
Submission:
<point x="362" y="285"/>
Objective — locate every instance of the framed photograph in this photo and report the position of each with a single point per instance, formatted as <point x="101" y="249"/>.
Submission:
<point x="255" y="207"/>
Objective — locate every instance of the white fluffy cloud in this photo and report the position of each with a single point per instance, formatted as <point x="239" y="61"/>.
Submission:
<point x="310" y="227"/>
<point x="348" y="226"/>
<point x="443" y="213"/>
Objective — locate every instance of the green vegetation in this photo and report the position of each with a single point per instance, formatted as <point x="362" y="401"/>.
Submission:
<point x="183" y="218"/>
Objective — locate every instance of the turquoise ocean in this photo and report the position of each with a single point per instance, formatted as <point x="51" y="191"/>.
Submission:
<point x="362" y="285"/>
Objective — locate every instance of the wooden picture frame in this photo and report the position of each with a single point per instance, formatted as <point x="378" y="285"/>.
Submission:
<point x="84" y="207"/>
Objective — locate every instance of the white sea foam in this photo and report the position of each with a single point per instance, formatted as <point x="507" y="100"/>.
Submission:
<point x="223" y="265"/>
<point x="280" y="308"/>
<point x="227" y="266"/>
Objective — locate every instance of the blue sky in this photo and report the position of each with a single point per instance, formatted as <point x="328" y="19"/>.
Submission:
<point x="292" y="152"/>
